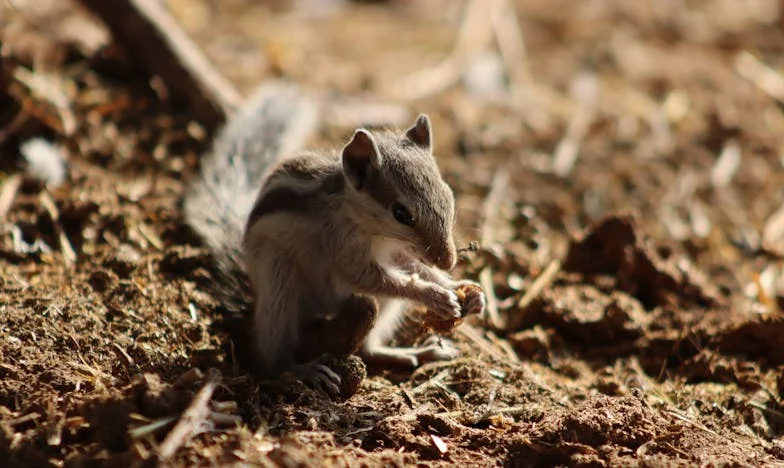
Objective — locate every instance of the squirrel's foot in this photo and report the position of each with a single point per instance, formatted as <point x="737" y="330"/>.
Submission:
<point x="437" y="348"/>
<point x="433" y="349"/>
<point x="318" y="376"/>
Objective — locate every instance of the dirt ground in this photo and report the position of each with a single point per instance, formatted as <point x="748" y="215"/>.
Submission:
<point x="620" y="163"/>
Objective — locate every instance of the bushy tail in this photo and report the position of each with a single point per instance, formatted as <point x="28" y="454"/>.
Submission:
<point x="275" y="121"/>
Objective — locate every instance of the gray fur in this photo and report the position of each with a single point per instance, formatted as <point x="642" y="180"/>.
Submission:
<point x="345" y="241"/>
<point x="320" y="233"/>
<point x="409" y="174"/>
<point x="276" y="120"/>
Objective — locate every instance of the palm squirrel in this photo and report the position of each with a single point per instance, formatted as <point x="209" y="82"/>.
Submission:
<point x="333" y="243"/>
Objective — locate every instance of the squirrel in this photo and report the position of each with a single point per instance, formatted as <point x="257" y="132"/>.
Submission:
<point x="332" y="244"/>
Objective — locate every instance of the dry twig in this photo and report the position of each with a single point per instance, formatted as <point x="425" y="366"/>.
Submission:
<point x="584" y="92"/>
<point x="153" y="37"/>
<point x="475" y="34"/>
<point x="18" y="121"/>
<point x="69" y="254"/>
<point x="490" y="210"/>
<point x="511" y="43"/>
<point x="473" y="335"/>
<point x="764" y="77"/>
<point x="773" y="230"/>
<point x="194" y="420"/>
<point x="151" y="428"/>
<point x="727" y="164"/>
<point x="677" y="415"/>
<point x="509" y="411"/>
<point x="8" y="193"/>
<point x="544" y="280"/>
<point x="54" y="90"/>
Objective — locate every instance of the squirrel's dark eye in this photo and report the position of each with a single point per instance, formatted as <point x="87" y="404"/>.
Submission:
<point x="401" y="214"/>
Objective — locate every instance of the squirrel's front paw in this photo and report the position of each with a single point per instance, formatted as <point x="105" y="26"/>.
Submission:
<point x="444" y="303"/>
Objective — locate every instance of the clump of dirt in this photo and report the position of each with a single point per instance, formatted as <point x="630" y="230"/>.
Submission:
<point x="654" y="276"/>
<point x="591" y="317"/>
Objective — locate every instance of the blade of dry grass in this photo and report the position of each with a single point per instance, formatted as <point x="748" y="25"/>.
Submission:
<point x="542" y="281"/>
<point x="193" y="421"/>
<point x="491" y="207"/>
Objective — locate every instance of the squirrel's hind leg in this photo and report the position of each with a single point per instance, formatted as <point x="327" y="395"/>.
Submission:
<point x="376" y="351"/>
<point x="342" y="335"/>
<point x="277" y="322"/>
<point x="338" y="336"/>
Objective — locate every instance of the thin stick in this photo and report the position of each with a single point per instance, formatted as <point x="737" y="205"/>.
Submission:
<point x="23" y="419"/>
<point x="727" y="164"/>
<point x="493" y="316"/>
<point x="69" y="254"/>
<point x="154" y="39"/>
<point x="697" y="424"/>
<point x="151" y="428"/>
<point x="491" y="206"/>
<point x="224" y="420"/>
<point x="473" y="335"/>
<point x="511" y="43"/>
<point x="544" y="280"/>
<point x="475" y="34"/>
<point x="8" y="193"/>
<point x="194" y="420"/>
<point x="584" y="91"/>
<point x="15" y="124"/>
<point x="512" y="410"/>
<point x="505" y="347"/>
<point x="774" y="228"/>
<point x="761" y="75"/>
<point x="150" y="235"/>
<point x="51" y="88"/>
<point x="499" y="187"/>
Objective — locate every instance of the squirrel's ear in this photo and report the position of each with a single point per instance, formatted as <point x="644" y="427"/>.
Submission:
<point x="421" y="134"/>
<point x="360" y="157"/>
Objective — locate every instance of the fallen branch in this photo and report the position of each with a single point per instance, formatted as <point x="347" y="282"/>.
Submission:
<point x="151" y="428"/>
<point x="195" y="419"/>
<point x="473" y="335"/>
<point x="8" y="193"/>
<point x="727" y="165"/>
<point x="152" y="37"/>
<point x="509" y="411"/>
<point x="475" y="35"/>
<point x="773" y="230"/>
<point x="544" y="280"/>
<point x="499" y="187"/>
<point x="69" y="254"/>
<point x="584" y="92"/>
<point x="511" y="44"/>
<point x="760" y="74"/>
<point x="12" y="127"/>
<point x="51" y="89"/>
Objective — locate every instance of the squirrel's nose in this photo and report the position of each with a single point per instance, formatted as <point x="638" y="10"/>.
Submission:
<point x="446" y="258"/>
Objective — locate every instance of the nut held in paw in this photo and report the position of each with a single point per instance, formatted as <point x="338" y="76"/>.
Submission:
<point x="465" y="294"/>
